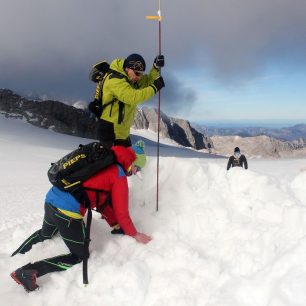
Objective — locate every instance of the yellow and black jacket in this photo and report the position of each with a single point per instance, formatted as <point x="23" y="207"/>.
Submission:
<point x="120" y="97"/>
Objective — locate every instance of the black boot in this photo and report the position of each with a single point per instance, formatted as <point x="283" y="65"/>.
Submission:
<point x="26" y="278"/>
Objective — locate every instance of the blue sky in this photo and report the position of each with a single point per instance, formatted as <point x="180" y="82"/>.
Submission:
<point x="226" y="60"/>
<point x="277" y="97"/>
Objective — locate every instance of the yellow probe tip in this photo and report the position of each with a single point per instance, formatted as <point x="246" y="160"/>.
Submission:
<point x="154" y="17"/>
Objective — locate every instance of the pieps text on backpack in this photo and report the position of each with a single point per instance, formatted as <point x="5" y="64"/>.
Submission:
<point x="73" y="160"/>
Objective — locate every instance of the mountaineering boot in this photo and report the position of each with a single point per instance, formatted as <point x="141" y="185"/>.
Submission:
<point x="26" y="278"/>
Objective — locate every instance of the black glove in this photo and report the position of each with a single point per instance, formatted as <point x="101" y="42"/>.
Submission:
<point x="158" y="84"/>
<point x="117" y="230"/>
<point x="159" y="61"/>
<point x="96" y="108"/>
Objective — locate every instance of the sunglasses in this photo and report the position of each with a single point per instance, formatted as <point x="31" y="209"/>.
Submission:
<point x="138" y="73"/>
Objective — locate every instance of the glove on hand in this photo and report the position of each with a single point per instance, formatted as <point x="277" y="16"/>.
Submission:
<point x="158" y="84"/>
<point x="117" y="230"/>
<point x="159" y="61"/>
<point x="96" y="108"/>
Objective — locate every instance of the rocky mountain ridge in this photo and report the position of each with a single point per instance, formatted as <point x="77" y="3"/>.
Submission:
<point x="259" y="146"/>
<point x="290" y="133"/>
<point x="70" y="120"/>
<point x="259" y="142"/>
<point x="67" y="119"/>
<point x="176" y="129"/>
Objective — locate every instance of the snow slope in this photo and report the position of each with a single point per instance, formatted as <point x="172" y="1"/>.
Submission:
<point x="220" y="238"/>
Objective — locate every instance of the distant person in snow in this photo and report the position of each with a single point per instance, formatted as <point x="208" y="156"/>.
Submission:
<point x="237" y="160"/>
<point x="64" y="215"/>
<point x="120" y="92"/>
<point x="209" y="148"/>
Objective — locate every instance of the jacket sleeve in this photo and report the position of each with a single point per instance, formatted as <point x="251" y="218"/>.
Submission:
<point x="244" y="160"/>
<point x="108" y="215"/>
<point x="120" y="198"/>
<point x="148" y="79"/>
<point x="230" y="160"/>
<point x="125" y="92"/>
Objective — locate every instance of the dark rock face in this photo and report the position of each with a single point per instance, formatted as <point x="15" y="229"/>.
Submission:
<point x="178" y="130"/>
<point x="66" y="119"/>
<point x="53" y="115"/>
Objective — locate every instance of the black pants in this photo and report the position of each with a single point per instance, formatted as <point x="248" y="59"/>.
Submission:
<point x="106" y="135"/>
<point x="71" y="230"/>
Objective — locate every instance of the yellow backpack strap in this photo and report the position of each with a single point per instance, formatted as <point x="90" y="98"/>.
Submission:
<point x="99" y="88"/>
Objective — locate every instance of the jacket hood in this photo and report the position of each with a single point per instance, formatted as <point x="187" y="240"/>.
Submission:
<point x="124" y="156"/>
<point x="117" y="65"/>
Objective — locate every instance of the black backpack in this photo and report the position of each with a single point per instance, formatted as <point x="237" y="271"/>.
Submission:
<point x="98" y="71"/>
<point x="72" y="170"/>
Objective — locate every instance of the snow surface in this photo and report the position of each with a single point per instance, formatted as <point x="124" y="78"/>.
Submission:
<point x="220" y="238"/>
